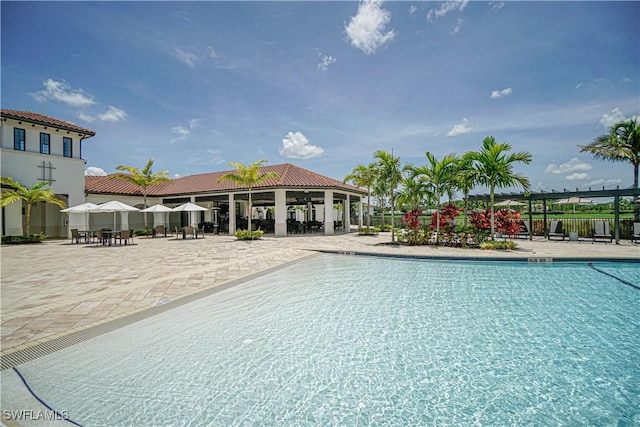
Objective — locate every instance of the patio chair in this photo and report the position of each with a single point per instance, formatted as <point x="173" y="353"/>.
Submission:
<point x="189" y="231"/>
<point x="76" y="236"/>
<point x="635" y="237"/>
<point x="125" y="235"/>
<point x="524" y="230"/>
<point x="159" y="230"/>
<point x="601" y="231"/>
<point x="555" y="229"/>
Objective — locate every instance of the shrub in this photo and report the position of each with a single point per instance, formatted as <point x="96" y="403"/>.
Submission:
<point x="496" y="244"/>
<point x="447" y="218"/>
<point x="368" y="231"/>
<point x="385" y="227"/>
<point x="27" y="238"/>
<point x="143" y="232"/>
<point x="249" y="235"/>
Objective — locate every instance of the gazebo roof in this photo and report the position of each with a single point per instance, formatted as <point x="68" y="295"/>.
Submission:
<point x="290" y="176"/>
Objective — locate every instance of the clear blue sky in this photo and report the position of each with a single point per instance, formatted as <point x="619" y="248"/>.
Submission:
<point x="323" y="85"/>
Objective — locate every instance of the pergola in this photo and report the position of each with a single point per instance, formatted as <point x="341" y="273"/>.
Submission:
<point x="555" y="195"/>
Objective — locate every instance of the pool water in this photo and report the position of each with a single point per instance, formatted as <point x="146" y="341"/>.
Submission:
<point x="349" y="340"/>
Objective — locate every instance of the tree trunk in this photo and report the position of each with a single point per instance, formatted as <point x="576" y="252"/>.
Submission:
<point x="27" y="221"/>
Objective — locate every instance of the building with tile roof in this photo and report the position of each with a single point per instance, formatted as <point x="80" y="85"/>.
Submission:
<point x="298" y="195"/>
<point x="36" y="148"/>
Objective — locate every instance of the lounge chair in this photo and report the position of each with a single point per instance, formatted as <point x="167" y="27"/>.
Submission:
<point x="635" y="237"/>
<point x="555" y="229"/>
<point x="601" y="231"/>
<point x="524" y="230"/>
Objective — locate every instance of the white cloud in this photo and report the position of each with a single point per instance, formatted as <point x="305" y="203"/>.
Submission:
<point x="182" y="133"/>
<point x="603" y="182"/>
<point x="612" y="118"/>
<point x="94" y="171"/>
<point x="460" y="128"/>
<point x="446" y="7"/>
<point x="496" y="5"/>
<point x="325" y="61"/>
<point x="456" y="29"/>
<point x="572" y="166"/>
<point x="500" y="93"/>
<point x="113" y="114"/>
<point x="412" y="10"/>
<point x="577" y="176"/>
<point x="188" y="58"/>
<point x="61" y="91"/>
<point x="579" y="85"/>
<point x="366" y="30"/>
<point x="177" y="175"/>
<point x="86" y="117"/>
<point x="296" y="145"/>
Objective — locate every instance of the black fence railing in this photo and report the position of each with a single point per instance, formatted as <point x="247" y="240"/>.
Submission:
<point x="583" y="226"/>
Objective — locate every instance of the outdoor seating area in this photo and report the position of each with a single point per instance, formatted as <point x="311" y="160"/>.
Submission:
<point x="104" y="237"/>
<point x="524" y="231"/>
<point x="189" y="232"/>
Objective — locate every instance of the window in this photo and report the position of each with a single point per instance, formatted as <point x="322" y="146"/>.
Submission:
<point x="67" y="148"/>
<point x="18" y="139"/>
<point x="45" y="143"/>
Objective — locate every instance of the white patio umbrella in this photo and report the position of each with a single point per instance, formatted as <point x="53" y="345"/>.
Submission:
<point x="508" y="203"/>
<point x="113" y="206"/>
<point x="83" y="209"/>
<point x="574" y="201"/>
<point x="158" y="209"/>
<point x="189" y="207"/>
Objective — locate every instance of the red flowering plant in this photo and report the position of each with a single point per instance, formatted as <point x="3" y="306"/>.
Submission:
<point x="447" y="218"/>
<point x="507" y="221"/>
<point x="412" y="220"/>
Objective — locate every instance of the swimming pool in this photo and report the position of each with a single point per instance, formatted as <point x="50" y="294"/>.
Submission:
<point x="349" y="340"/>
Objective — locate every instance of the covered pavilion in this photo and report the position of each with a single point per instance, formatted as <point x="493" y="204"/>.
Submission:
<point x="298" y="194"/>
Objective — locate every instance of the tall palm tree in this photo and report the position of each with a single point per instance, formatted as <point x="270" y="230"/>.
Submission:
<point x="465" y="180"/>
<point x="144" y="179"/>
<point x="364" y="176"/>
<point x="621" y="144"/>
<point x="438" y="176"/>
<point x="494" y="169"/>
<point x="33" y="195"/>
<point x="248" y="176"/>
<point x="390" y="172"/>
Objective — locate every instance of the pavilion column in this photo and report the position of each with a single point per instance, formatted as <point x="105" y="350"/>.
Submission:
<point x="616" y="218"/>
<point x="328" y="213"/>
<point x="281" y="213"/>
<point x="232" y="215"/>
<point x="360" y="223"/>
<point x="347" y="214"/>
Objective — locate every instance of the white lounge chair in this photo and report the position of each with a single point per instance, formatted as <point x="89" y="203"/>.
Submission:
<point x="635" y="237"/>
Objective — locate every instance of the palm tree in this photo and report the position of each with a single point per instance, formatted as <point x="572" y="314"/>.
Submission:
<point x="439" y="177"/>
<point x="390" y="172"/>
<point x="364" y="176"/>
<point x="494" y="168"/>
<point x="412" y="195"/>
<point x="144" y="179"/>
<point x="622" y="144"/>
<point x="465" y="181"/>
<point x="31" y="196"/>
<point x="248" y="176"/>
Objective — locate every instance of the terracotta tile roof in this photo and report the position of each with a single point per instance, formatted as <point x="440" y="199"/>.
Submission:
<point x="41" y="119"/>
<point x="290" y="176"/>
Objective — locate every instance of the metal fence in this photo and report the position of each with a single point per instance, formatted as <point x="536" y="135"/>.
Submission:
<point x="584" y="226"/>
